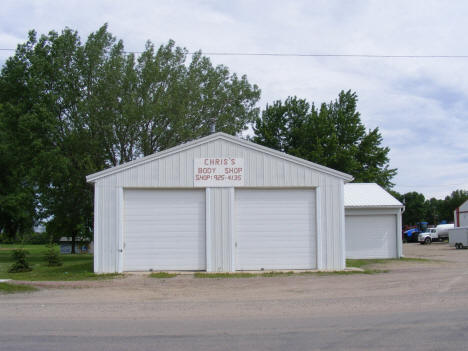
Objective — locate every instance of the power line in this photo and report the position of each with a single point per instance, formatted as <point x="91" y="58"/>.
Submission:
<point x="279" y="54"/>
<point x="329" y="55"/>
<point x="430" y="186"/>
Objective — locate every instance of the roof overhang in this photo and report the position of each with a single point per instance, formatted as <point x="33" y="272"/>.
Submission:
<point x="373" y="207"/>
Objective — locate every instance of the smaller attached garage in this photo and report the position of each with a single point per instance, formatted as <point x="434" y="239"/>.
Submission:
<point x="372" y="222"/>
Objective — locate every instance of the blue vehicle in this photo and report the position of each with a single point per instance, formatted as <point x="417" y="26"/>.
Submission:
<point x="411" y="233"/>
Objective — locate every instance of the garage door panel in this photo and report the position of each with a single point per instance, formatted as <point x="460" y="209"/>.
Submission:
<point x="275" y="229"/>
<point x="164" y="229"/>
<point x="371" y="236"/>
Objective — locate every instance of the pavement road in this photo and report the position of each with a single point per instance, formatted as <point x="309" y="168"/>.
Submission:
<point x="393" y="331"/>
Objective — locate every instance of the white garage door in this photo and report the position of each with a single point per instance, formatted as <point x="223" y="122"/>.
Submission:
<point x="164" y="230"/>
<point x="372" y="236"/>
<point x="275" y="229"/>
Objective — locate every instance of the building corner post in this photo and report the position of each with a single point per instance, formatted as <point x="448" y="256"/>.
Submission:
<point x="342" y="227"/>
<point x="208" y="247"/>
<point x="121" y="244"/>
<point x="318" y="226"/>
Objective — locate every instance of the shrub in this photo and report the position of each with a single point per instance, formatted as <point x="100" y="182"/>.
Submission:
<point x="20" y="264"/>
<point x="52" y="256"/>
<point x="37" y="238"/>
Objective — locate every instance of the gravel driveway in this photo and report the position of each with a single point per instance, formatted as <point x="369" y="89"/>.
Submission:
<point x="417" y="305"/>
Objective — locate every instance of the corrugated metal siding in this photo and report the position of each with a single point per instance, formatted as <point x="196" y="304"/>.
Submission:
<point x="219" y="213"/>
<point x="106" y="235"/>
<point x="176" y="171"/>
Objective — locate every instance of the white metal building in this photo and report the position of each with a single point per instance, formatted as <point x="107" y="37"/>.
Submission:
<point x="373" y="222"/>
<point x="218" y="204"/>
<point x="460" y="215"/>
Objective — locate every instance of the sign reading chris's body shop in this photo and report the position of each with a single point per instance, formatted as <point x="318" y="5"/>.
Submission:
<point x="218" y="172"/>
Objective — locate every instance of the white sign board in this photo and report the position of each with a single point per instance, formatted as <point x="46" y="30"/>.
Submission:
<point x="218" y="172"/>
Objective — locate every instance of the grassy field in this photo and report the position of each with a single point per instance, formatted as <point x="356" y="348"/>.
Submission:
<point x="80" y="267"/>
<point x="6" y="288"/>
<point x="75" y="267"/>
<point x="362" y="263"/>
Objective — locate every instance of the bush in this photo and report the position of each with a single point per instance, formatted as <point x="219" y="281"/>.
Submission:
<point x="4" y="239"/>
<point x="52" y="256"/>
<point x="21" y="264"/>
<point x="26" y="238"/>
<point x="36" y="238"/>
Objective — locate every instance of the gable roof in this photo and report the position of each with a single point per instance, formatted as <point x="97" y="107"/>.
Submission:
<point x="233" y="139"/>
<point x="368" y="195"/>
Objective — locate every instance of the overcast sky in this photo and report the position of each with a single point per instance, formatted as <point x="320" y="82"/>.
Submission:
<point x="419" y="104"/>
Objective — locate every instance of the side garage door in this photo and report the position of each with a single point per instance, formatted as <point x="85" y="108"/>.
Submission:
<point x="275" y="229"/>
<point x="371" y="236"/>
<point x="164" y="230"/>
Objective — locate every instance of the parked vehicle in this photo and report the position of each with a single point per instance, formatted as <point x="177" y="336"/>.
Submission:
<point x="410" y="233"/>
<point x="428" y="236"/>
<point x="443" y="229"/>
<point x="458" y="237"/>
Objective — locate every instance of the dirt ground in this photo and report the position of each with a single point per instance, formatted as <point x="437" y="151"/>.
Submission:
<point x="436" y="286"/>
<point x="406" y="284"/>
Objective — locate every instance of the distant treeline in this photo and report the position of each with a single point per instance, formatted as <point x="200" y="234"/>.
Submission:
<point x="433" y="211"/>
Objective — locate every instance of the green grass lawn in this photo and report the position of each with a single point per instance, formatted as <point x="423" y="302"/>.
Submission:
<point x="6" y="288"/>
<point x="75" y="267"/>
<point x="362" y="263"/>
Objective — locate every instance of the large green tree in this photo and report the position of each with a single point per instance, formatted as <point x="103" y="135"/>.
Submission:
<point x="332" y="135"/>
<point x="415" y="208"/>
<point x="68" y="109"/>
<point x="17" y="198"/>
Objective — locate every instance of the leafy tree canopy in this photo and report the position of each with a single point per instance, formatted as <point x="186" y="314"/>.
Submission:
<point x="331" y="135"/>
<point x="68" y="109"/>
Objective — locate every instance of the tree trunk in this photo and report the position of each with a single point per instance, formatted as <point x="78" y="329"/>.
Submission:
<point x="11" y="231"/>
<point x="73" y="243"/>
